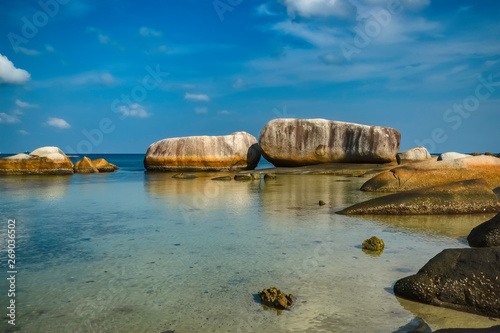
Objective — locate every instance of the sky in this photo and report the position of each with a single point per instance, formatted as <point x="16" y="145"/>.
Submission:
<point x="115" y="76"/>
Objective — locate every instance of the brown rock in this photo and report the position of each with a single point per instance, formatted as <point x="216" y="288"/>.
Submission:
<point x="85" y="165"/>
<point x="298" y="142"/>
<point x="464" y="197"/>
<point x="275" y="298"/>
<point x="426" y="174"/>
<point x="461" y="279"/>
<point x="104" y="166"/>
<point x="238" y="151"/>
<point x="42" y="161"/>
<point x="373" y="244"/>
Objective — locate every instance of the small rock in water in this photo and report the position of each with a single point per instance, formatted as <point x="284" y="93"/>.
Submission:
<point x="476" y="154"/>
<point x="373" y="244"/>
<point x="269" y="176"/>
<point x="275" y="298"/>
<point x="242" y="177"/>
<point x="223" y="178"/>
<point x="184" y="176"/>
<point x="489" y="154"/>
<point x="321" y="203"/>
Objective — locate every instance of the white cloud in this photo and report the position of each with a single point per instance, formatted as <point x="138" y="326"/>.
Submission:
<point x="200" y="110"/>
<point x="225" y="112"/>
<point x="49" y="48"/>
<point x="26" y="51"/>
<point x="490" y="63"/>
<point x="319" y="8"/>
<point x="9" y="118"/>
<point x="9" y="74"/>
<point x="196" y="97"/>
<point x="134" y="110"/>
<point x="239" y="83"/>
<point x="264" y="10"/>
<point x="146" y="31"/>
<point x="58" y="123"/>
<point x="319" y="37"/>
<point x="25" y="105"/>
<point x="23" y="132"/>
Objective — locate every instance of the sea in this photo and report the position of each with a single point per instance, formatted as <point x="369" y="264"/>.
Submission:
<point x="133" y="251"/>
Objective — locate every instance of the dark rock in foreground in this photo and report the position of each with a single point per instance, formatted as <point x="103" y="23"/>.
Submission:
<point x="465" y="197"/>
<point x="486" y="234"/>
<point x="298" y="142"/>
<point x="461" y="279"/>
<point x="275" y="298"/>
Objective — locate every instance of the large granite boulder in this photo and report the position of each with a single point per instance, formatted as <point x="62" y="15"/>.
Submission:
<point x="104" y="166"/>
<point x="461" y="279"/>
<point x="412" y="155"/>
<point x="451" y="156"/>
<point x="237" y="151"/>
<point x="42" y="161"/>
<point x="486" y="234"/>
<point x="464" y="197"/>
<point x="426" y="174"/>
<point x="85" y="165"/>
<point x="298" y="142"/>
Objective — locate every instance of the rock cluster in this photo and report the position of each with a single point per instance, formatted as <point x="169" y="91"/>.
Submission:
<point x="42" y="161"/>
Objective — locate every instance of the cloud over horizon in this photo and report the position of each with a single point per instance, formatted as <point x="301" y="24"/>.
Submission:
<point x="58" y="123"/>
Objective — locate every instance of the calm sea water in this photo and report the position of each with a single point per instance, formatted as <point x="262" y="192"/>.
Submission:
<point x="138" y="252"/>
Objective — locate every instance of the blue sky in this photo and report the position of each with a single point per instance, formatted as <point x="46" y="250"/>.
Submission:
<point x="116" y="76"/>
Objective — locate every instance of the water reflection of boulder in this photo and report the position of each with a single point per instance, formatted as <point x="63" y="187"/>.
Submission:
<point x="438" y="317"/>
<point x="200" y="193"/>
<point x="453" y="226"/>
<point x="45" y="187"/>
<point x="291" y="196"/>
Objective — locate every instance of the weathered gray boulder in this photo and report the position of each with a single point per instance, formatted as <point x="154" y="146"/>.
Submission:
<point x="297" y="142"/>
<point x="412" y="155"/>
<point x="486" y="234"/>
<point x="451" y="156"/>
<point x="464" y="197"/>
<point x="461" y="279"/>
<point x="421" y="175"/>
<point x="237" y="151"/>
<point x="42" y="161"/>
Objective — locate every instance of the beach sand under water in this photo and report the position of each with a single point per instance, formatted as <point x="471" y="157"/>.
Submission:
<point x="140" y="252"/>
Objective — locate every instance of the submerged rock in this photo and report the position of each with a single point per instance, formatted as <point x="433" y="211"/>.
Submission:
<point x="104" y="166"/>
<point x="42" y="161"/>
<point x="275" y="298"/>
<point x="237" y="151"/>
<point x="243" y="177"/>
<point x="223" y="178"/>
<point x="373" y="244"/>
<point x="460" y="279"/>
<point x="321" y="203"/>
<point x="486" y="234"/>
<point x="298" y="142"/>
<point x="416" y="154"/>
<point x="465" y="197"/>
<point x="421" y="175"/>
<point x="184" y="176"/>
<point x="268" y="176"/>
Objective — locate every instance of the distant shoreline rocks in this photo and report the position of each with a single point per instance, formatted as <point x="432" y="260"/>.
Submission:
<point x="237" y="151"/>
<point x="412" y="155"/>
<point x="300" y="142"/>
<point x="42" y="161"/>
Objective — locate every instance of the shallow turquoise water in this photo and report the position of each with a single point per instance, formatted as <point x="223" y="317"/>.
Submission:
<point x="138" y="252"/>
